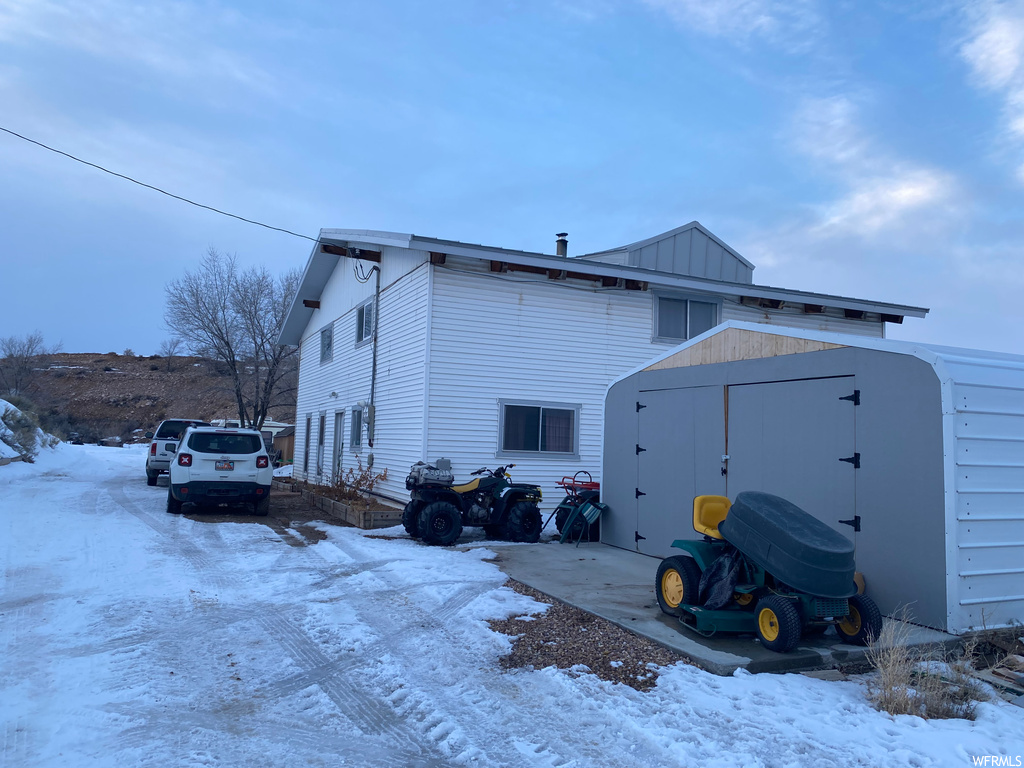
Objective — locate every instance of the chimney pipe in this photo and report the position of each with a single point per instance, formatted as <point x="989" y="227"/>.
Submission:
<point x="561" y="244"/>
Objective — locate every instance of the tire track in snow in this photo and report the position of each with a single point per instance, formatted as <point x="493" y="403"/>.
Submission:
<point x="16" y="745"/>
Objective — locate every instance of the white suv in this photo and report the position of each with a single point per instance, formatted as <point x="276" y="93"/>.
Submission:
<point x="164" y="444"/>
<point x="214" y="465"/>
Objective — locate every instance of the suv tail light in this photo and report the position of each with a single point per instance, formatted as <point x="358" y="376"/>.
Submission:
<point x="184" y="459"/>
<point x="262" y="462"/>
<point x="152" y="449"/>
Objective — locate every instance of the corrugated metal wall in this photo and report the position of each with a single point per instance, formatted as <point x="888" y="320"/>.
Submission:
<point x="988" y="396"/>
<point x="691" y="252"/>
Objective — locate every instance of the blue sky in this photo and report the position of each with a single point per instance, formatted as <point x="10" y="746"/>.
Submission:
<point x="869" y="149"/>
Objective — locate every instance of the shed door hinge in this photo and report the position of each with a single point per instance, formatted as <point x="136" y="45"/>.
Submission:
<point x="855" y="522"/>
<point x="639" y="450"/>
<point x="639" y="405"/>
<point x="639" y="493"/>
<point x="855" y="460"/>
<point x="854" y="398"/>
<point x="637" y="538"/>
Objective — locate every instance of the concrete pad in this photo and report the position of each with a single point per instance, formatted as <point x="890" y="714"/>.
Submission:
<point x="618" y="585"/>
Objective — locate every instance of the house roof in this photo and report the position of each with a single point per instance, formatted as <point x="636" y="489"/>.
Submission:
<point x="333" y="243"/>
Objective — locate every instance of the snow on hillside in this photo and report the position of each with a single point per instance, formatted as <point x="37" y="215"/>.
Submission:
<point x="136" y="637"/>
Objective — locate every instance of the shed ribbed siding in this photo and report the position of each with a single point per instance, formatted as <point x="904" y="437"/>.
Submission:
<point x="988" y="396"/>
<point x="400" y="378"/>
<point x="500" y="338"/>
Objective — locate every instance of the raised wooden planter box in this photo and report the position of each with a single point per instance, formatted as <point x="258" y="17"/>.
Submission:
<point x="366" y="519"/>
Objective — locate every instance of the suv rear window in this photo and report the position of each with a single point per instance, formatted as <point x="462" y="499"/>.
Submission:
<point x="204" y="442"/>
<point x="175" y="428"/>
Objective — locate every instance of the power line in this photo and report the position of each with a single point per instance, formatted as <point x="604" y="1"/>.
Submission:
<point x="156" y="189"/>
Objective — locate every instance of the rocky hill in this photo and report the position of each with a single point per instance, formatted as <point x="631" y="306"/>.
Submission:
<point x="109" y="395"/>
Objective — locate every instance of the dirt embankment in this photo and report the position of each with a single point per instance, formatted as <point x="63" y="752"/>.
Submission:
<point x="110" y="395"/>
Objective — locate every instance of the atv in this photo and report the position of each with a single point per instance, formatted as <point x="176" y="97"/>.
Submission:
<point x="768" y="567"/>
<point x="438" y="510"/>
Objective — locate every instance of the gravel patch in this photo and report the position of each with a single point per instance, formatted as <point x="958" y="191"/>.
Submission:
<point x="565" y="637"/>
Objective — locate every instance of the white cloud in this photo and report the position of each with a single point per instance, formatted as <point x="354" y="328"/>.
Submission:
<point x="883" y="194"/>
<point x="778" y="21"/>
<point x="995" y="52"/>
<point x="172" y="40"/>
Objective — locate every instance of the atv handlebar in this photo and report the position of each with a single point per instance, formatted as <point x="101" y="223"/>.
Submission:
<point x="499" y="472"/>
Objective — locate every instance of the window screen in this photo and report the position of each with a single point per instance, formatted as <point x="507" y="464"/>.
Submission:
<point x="672" y="318"/>
<point x="683" y="319"/>
<point x="702" y="317"/>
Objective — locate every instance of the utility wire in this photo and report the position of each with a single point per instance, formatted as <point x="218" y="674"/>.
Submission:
<point x="157" y="189"/>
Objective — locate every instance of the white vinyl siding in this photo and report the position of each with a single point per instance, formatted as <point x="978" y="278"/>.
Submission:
<point x="522" y="340"/>
<point x="402" y="343"/>
<point x="794" y="317"/>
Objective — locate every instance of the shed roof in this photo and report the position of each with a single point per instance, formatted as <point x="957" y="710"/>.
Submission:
<point x="735" y="340"/>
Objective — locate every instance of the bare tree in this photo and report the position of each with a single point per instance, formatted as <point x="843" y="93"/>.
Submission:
<point x="236" y="317"/>
<point x="20" y="358"/>
<point x="169" y="348"/>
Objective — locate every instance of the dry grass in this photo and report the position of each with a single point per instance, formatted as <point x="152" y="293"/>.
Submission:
<point x="909" y="681"/>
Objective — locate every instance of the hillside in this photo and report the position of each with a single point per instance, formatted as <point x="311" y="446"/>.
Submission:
<point x="111" y="395"/>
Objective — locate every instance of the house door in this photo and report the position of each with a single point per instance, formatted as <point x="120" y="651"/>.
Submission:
<point x="680" y="443"/>
<point x="796" y="439"/>
<point x="339" y="443"/>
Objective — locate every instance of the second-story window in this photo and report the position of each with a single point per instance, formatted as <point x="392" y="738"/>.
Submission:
<point x="364" y="322"/>
<point x="327" y="344"/>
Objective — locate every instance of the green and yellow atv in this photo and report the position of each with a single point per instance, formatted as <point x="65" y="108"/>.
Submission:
<point x="768" y="567"/>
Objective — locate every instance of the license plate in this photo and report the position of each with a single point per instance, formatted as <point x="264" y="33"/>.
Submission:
<point x="225" y="466"/>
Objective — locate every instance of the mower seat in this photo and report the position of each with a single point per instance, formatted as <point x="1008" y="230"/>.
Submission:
<point x="708" y="512"/>
<point x="472" y="485"/>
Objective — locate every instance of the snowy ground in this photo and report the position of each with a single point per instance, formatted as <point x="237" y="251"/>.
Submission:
<point x="132" y="637"/>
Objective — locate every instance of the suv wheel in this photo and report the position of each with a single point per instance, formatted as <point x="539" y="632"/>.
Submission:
<point x="173" y="505"/>
<point x="151" y="477"/>
<point x="261" y="508"/>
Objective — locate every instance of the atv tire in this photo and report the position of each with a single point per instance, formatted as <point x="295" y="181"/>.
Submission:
<point x="440" y="523"/>
<point x="524" y="523"/>
<point x="411" y="518"/>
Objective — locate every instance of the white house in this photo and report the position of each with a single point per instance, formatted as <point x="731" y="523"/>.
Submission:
<point x="416" y="348"/>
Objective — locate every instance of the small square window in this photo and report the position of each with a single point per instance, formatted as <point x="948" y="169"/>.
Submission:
<point x="327" y="344"/>
<point x="364" y="322"/>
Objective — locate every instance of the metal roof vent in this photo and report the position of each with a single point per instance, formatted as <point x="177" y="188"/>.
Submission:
<point x="561" y="244"/>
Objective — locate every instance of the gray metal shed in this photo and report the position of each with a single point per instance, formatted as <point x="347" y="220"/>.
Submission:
<point x="921" y="448"/>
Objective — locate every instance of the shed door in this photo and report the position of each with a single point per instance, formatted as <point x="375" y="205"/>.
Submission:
<point x="680" y="442"/>
<point x="796" y="439"/>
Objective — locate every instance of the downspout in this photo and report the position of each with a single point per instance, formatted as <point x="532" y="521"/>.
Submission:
<point x="371" y="425"/>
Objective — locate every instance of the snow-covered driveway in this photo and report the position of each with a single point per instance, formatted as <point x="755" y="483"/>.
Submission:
<point x="132" y="637"/>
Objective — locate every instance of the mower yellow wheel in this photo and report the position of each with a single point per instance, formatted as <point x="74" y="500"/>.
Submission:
<point x="672" y="588"/>
<point x="768" y="623"/>
<point x="851" y="624"/>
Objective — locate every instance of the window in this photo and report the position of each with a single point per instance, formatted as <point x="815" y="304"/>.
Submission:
<point x="538" y="428"/>
<point x="681" y="319"/>
<point x="327" y="344"/>
<point x="204" y="442"/>
<point x="355" y="438"/>
<point x="305" y="453"/>
<point x="364" y="322"/>
<point x="321" y="430"/>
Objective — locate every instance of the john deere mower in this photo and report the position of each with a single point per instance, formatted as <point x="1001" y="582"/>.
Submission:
<point x="768" y="567"/>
